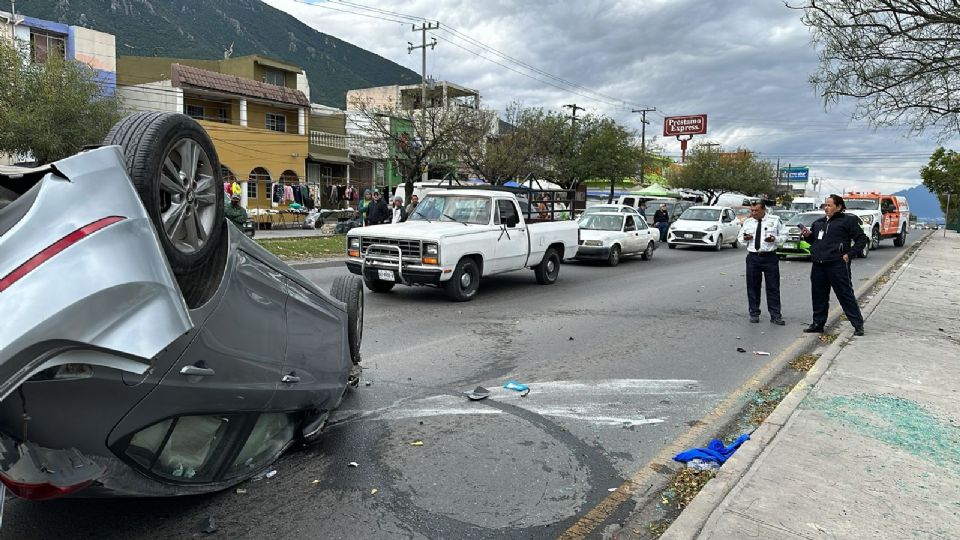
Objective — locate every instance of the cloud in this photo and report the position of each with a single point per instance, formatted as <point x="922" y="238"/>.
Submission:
<point x="744" y="63"/>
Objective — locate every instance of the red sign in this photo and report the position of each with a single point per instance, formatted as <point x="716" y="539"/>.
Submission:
<point x="695" y="124"/>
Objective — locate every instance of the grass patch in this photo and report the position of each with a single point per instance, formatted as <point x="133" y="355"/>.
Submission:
<point x="314" y="247"/>
<point x="685" y="486"/>
<point x="804" y="362"/>
<point x="657" y="528"/>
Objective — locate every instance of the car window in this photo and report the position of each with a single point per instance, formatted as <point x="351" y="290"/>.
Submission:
<point x="641" y="224"/>
<point x="269" y="436"/>
<point x="701" y="214"/>
<point x="629" y="201"/>
<point x="505" y="209"/>
<point x="629" y="225"/>
<point x="190" y="445"/>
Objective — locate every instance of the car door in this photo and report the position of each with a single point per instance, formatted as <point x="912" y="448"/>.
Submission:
<point x="631" y="240"/>
<point x="730" y="226"/>
<point x="510" y="251"/>
<point x="646" y="234"/>
<point x="891" y="219"/>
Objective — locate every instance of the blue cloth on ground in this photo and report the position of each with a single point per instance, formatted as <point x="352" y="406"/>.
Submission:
<point x="715" y="451"/>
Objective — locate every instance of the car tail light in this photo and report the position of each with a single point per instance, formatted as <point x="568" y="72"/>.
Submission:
<point x="43" y="491"/>
<point x="50" y="251"/>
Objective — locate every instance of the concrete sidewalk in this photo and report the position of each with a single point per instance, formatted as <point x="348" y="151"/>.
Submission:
<point x="868" y="444"/>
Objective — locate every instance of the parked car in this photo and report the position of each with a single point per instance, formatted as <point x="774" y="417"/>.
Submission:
<point x="674" y="208"/>
<point x="455" y="238"/>
<point x="149" y="348"/>
<point x="796" y="247"/>
<point x="608" y="236"/>
<point x="704" y="226"/>
<point x="741" y="213"/>
<point x="598" y="208"/>
<point x="887" y="216"/>
<point x="784" y="214"/>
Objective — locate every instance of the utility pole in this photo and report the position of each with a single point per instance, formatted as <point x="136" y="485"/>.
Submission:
<point x="575" y="107"/>
<point x="423" y="77"/>
<point x="643" y="139"/>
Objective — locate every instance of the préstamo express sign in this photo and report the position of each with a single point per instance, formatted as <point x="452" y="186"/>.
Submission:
<point x="694" y="124"/>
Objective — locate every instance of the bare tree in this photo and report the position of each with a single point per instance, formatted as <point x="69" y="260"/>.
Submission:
<point x="899" y="59"/>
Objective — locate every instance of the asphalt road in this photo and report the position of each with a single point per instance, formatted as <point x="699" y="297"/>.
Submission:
<point x="620" y="361"/>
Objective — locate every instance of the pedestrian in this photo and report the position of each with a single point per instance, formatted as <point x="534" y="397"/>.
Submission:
<point x="661" y="220"/>
<point x="832" y="240"/>
<point x="545" y="207"/>
<point x="762" y="233"/>
<point x="378" y="211"/>
<point x="643" y="209"/>
<point x="364" y="206"/>
<point x="397" y="211"/>
<point x="412" y="207"/>
<point x="235" y="213"/>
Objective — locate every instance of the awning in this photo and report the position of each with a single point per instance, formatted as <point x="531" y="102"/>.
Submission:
<point x="330" y="158"/>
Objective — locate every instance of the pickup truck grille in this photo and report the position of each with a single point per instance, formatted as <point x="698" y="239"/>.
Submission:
<point x="411" y="248"/>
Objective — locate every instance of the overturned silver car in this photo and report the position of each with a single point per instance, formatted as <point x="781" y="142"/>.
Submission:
<point x="147" y="346"/>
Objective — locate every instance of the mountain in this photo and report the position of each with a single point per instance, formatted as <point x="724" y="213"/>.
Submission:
<point x="204" y="29"/>
<point x="923" y="204"/>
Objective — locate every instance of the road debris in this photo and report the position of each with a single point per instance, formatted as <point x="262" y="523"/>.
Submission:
<point x="761" y="353"/>
<point x="353" y="464"/>
<point x="209" y="525"/>
<point x="417" y="442"/>
<point x="571" y="337"/>
<point x="374" y="491"/>
<point x="272" y="473"/>
<point x="715" y="451"/>
<point x="698" y="464"/>
<point x="315" y="482"/>
<point x="367" y="383"/>
<point x="241" y="491"/>
<point x="741" y="349"/>
<point x="519" y="387"/>
<point x="478" y="394"/>
<point x="611" y="490"/>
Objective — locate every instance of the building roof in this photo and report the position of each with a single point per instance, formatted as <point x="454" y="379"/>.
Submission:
<point x="181" y="75"/>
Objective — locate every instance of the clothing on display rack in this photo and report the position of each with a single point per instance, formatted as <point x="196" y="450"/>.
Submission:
<point x="277" y="193"/>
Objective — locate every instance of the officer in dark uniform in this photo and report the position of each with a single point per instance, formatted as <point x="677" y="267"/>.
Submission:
<point x="830" y="241"/>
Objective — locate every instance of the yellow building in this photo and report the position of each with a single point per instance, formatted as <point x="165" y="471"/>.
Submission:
<point x="255" y="110"/>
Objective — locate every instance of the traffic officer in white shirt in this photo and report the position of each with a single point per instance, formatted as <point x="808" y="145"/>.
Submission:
<point x="762" y="233"/>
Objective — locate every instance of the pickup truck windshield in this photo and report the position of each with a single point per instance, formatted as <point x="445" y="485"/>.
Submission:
<point x="459" y="208"/>
<point x="862" y="204"/>
<point x="701" y="214"/>
<point x="594" y="222"/>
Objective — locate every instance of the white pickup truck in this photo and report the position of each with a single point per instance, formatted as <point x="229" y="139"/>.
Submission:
<point x="454" y="238"/>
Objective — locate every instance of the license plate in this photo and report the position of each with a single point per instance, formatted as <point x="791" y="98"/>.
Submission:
<point x="386" y="275"/>
<point x="790" y="245"/>
<point x="688" y="236"/>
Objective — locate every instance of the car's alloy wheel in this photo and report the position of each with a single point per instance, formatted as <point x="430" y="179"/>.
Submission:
<point x="614" y="258"/>
<point x="647" y="253"/>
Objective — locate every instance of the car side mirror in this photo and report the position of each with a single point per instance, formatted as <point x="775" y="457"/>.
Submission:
<point x="513" y="220"/>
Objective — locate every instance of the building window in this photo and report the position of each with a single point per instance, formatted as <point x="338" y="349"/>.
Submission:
<point x="45" y="45"/>
<point x="223" y="115"/>
<point x="273" y="76"/>
<point x="276" y="122"/>
<point x="252" y="189"/>
<point x="194" y="111"/>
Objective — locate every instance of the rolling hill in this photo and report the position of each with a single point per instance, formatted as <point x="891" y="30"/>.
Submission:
<point x="204" y="29"/>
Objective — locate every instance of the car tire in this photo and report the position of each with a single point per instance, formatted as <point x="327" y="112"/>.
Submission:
<point x="548" y="270"/>
<point x="901" y="238"/>
<point x="614" y="258"/>
<point x="175" y="169"/>
<point x="735" y="244"/>
<point x="349" y="290"/>
<point x="671" y="246"/>
<point x="875" y="238"/>
<point x="465" y="281"/>
<point x="647" y="253"/>
<point x="378" y="285"/>
<point x="719" y="245"/>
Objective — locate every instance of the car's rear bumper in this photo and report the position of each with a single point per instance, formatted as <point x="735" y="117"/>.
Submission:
<point x="592" y="253"/>
<point x="411" y="276"/>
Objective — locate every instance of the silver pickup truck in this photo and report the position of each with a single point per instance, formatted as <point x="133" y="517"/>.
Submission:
<point x="457" y="236"/>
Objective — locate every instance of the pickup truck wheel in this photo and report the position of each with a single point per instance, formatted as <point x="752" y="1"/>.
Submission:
<point x="348" y="289"/>
<point x="614" y="258"/>
<point x="719" y="245"/>
<point x="465" y="281"/>
<point x="174" y="167"/>
<point x="377" y="285"/>
<point x="647" y="253"/>
<point x="901" y="238"/>
<point x="549" y="268"/>
<point x="875" y="238"/>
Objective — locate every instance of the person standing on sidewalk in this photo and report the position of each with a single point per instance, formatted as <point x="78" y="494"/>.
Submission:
<point x="762" y="233"/>
<point x="830" y="240"/>
<point x="661" y="220"/>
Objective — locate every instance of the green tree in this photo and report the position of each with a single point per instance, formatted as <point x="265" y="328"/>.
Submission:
<point x="607" y="150"/>
<point x="942" y="176"/>
<point x="52" y="109"/>
<point x="896" y="58"/>
<point x="716" y="173"/>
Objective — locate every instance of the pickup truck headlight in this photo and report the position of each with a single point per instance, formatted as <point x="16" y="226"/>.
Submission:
<point x="353" y="246"/>
<point x="593" y="242"/>
<point x="867" y="220"/>
<point x="711" y="228"/>
<point x="431" y="254"/>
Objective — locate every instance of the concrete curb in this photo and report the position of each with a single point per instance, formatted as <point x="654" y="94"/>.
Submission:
<point x="315" y="264"/>
<point x="697" y="514"/>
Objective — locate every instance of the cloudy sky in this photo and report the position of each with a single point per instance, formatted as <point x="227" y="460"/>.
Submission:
<point x="744" y="63"/>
